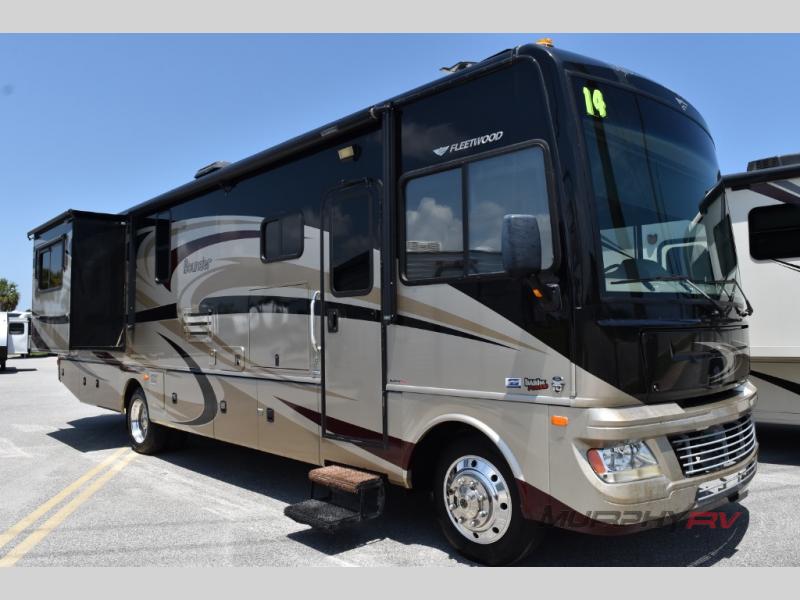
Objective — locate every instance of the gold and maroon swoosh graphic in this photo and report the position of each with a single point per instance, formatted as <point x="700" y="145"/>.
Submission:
<point x="397" y="452"/>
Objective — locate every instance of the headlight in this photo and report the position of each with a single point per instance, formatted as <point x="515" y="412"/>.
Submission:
<point x="625" y="462"/>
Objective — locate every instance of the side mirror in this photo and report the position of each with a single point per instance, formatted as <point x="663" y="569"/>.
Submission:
<point x="521" y="245"/>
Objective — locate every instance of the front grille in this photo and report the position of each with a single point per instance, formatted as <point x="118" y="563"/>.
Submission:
<point x="715" y="448"/>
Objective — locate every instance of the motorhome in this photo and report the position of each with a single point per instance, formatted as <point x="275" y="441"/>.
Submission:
<point x="764" y="204"/>
<point x="510" y="287"/>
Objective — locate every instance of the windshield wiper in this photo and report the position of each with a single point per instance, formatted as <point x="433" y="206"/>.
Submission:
<point x="748" y="307"/>
<point x="723" y="310"/>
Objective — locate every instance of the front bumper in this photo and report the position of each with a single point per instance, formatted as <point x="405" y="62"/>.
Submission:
<point x="663" y="498"/>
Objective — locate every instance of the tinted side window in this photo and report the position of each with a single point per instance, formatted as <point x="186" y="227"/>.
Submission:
<point x="282" y="238"/>
<point x="56" y="264"/>
<point x="434" y="226"/>
<point x="16" y="328"/>
<point x="774" y="232"/>
<point x="163" y="248"/>
<point x="350" y="226"/>
<point x="50" y="266"/>
<point x="454" y="218"/>
<point x="514" y="183"/>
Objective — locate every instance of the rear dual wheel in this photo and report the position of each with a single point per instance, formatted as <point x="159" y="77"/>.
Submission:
<point x="478" y="504"/>
<point x="145" y="436"/>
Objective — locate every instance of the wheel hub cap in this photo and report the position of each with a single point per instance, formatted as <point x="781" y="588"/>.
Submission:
<point x="477" y="499"/>
<point x="140" y="421"/>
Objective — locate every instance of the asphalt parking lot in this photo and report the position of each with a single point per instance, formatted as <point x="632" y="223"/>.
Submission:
<point x="72" y="494"/>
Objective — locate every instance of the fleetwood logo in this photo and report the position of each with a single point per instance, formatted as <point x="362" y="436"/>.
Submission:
<point x="197" y="265"/>
<point x="489" y="138"/>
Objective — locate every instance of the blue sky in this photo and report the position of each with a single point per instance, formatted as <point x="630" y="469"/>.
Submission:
<point x="103" y="122"/>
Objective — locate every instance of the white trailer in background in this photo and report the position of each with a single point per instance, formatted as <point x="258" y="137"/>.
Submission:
<point x="764" y="206"/>
<point x="14" y="335"/>
<point x="19" y="332"/>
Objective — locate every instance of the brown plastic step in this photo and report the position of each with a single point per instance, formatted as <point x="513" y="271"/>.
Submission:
<point x="344" y="479"/>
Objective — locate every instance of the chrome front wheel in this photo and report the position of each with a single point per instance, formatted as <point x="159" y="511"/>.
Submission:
<point x="477" y="499"/>
<point x="478" y="505"/>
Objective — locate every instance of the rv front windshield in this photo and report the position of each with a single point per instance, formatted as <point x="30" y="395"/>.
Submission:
<point x="651" y="166"/>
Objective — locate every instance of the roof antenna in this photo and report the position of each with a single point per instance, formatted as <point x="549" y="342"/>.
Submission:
<point x="463" y="64"/>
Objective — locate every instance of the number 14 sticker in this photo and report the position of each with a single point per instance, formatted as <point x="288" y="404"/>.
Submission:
<point x="595" y="103"/>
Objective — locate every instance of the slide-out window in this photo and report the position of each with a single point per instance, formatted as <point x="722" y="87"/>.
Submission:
<point x="282" y="238"/>
<point x="50" y="266"/>
<point x="454" y="218"/>
<point x="774" y="231"/>
<point x="163" y="247"/>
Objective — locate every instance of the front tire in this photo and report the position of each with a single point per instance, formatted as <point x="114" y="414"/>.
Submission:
<point x="145" y="436"/>
<point x="478" y="504"/>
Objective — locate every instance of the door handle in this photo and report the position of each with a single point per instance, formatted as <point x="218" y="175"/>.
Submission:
<point x="333" y="320"/>
<point x="311" y="333"/>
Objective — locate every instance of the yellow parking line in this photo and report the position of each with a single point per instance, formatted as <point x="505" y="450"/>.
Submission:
<point x="29" y="520"/>
<point x="48" y="526"/>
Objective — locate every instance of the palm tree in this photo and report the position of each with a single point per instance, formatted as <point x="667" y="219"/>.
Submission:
<point x="9" y="295"/>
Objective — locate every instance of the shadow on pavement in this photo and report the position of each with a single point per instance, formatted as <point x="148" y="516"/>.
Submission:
<point x="409" y="516"/>
<point x="778" y="444"/>
<point x="102" y="432"/>
<point x="12" y="370"/>
<point x="671" y="546"/>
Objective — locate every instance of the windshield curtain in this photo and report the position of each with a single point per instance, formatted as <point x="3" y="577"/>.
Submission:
<point x="651" y="167"/>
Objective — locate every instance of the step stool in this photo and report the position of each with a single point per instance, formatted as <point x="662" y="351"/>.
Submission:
<point x="352" y="496"/>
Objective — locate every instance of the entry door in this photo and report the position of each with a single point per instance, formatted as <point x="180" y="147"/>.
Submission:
<point x="351" y="336"/>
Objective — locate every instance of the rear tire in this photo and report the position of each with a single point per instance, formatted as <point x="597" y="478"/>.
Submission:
<point x="145" y="436"/>
<point x="478" y="504"/>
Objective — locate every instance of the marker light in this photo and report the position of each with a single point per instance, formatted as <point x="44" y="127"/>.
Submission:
<point x="347" y="152"/>
<point x="546" y="41"/>
<point x="559" y="421"/>
<point x="628" y="461"/>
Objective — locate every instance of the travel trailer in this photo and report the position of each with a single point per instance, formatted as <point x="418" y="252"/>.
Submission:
<point x="14" y="335"/>
<point x="19" y="333"/>
<point x="765" y="212"/>
<point x="508" y="287"/>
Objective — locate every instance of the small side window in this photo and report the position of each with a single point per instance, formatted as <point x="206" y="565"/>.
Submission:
<point x="50" y="266"/>
<point x="16" y="328"/>
<point x="163" y="248"/>
<point x="282" y="238"/>
<point x="774" y="232"/>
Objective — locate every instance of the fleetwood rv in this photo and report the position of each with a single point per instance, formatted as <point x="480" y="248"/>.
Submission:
<point x="765" y="210"/>
<point x="508" y="287"/>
